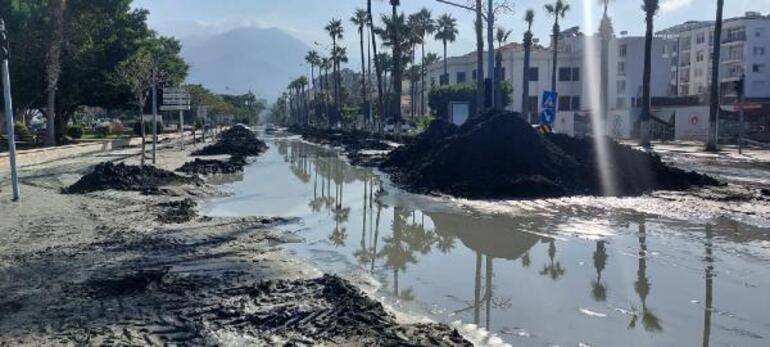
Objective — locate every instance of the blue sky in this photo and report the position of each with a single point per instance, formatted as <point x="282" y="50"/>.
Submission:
<point x="305" y="19"/>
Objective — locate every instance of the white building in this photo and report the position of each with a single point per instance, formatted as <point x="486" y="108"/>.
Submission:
<point x="745" y="50"/>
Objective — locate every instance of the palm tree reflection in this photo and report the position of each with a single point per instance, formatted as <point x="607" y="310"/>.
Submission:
<point x="642" y="286"/>
<point x="554" y="268"/>
<point x="709" y="260"/>
<point x="598" y="288"/>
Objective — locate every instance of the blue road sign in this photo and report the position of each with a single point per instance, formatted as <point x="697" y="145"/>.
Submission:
<point x="548" y="114"/>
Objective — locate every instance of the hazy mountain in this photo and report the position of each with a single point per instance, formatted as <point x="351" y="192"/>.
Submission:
<point x="243" y="59"/>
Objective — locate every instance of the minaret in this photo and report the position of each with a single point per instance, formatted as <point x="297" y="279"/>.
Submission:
<point x="606" y="33"/>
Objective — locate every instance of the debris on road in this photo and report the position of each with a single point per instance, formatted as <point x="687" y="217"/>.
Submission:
<point x="106" y="176"/>
<point x="178" y="212"/>
<point x="213" y="167"/>
<point x="237" y="141"/>
<point x="502" y="156"/>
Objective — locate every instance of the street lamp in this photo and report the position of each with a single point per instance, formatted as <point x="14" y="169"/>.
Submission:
<point x="9" y="110"/>
<point x="489" y="17"/>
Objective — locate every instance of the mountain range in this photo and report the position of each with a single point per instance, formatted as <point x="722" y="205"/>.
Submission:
<point x="260" y="60"/>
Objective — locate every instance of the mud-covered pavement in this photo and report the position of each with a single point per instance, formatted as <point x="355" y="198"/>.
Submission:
<point x="126" y="268"/>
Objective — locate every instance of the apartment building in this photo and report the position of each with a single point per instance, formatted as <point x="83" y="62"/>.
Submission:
<point x="745" y="50"/>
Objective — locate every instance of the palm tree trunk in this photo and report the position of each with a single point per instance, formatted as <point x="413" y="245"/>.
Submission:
<point x="396" y="71"/>
<point x="446" y="65"/>
<point x="422" y="79"/>
<point x="479" y="60"/>
<point x="377" y="66"/>
<point x="525" y="83"/>
<point x="363" y="74"/>
<point x="711" y="144"/>
<point x="646" y="75"/>
<point x="555" y="53"/>
<point x="53" y="66"/>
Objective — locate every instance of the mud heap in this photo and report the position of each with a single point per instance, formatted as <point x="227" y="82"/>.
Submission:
<point x="107" y="176"/>
<point x="237" y="141"/>
<point x="502" y="156"/>
<point x="213" y="167"/>
<point x="177" y="212"/>
<point x="356" y="144"/>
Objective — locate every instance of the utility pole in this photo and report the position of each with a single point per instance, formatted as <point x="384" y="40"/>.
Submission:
<point x="739" y="88"/>
<point x="9" y="111"/>
<point x="154" y="112"/>
<point x="181" y="128"/>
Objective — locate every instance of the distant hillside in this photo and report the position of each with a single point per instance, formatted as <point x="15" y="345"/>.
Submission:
<point x="243" y="59"/>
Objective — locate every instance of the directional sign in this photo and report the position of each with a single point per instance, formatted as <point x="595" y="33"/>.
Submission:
<point x="548" y="114"/>
<point x="175" y="108"/>
<point x="175" y="99"/>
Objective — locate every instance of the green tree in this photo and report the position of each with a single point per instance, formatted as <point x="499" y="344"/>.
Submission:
<point x="650" y="8"/>
<point x="446" y="32"/>
<point x="425" y="25"/>
<point x="336" y="32"/>
<point x="377" y="65"/>
<point x="529" y="17"/>
<point x="360" y="19"/>
<point x="57" y="10"/>
<point x="313" y="59"/>
<point x="135" y="73"/>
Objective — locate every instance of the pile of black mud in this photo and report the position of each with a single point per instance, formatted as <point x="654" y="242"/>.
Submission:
<point x="237" y="141"/>
<point x="356" y="144"/>
<point x="501" y="156"/>
<point x="177" y="212"/>
<point x="106" y="176"/>
<point x="329" y="309"/>
<point x="214" y="167"/>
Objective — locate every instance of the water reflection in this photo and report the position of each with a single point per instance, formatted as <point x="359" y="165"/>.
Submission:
<point x="504" y="272"/>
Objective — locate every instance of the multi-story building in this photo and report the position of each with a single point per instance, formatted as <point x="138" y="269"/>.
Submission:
<point x="745" y="50"/>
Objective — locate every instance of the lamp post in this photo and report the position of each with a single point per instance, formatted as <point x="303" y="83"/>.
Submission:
<point x="9" y="111"/>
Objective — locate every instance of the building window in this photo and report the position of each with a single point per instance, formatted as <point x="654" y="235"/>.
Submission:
<point x="564" y="103"/>
<point x="576" y="74"/>
<point x="461" y="77"/>
<point x="759" y="51"/>
<point x="700" y="38"/>
<point x="623" y="50"/>
<point x="735" y="34"/>
<point x="534" y="74"/>
<point x="621" y="86"/>
<point x="621" y="68"/>
<point x="698" y="72"/>
<point x="565" y="74"/>
<point x="620" y="103"/>
<point x="684" y="90"/>
<point x="699" y="56"/>
<point x="758" y="68"/>
<point x="444" y="80"/>
<point x="473" y="75"/>
<point x="576" y="103"/>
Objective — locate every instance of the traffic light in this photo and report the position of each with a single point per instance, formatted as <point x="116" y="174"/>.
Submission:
<point x="739" y="86"/>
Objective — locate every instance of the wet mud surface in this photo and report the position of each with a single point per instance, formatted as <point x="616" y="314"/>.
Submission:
<point x="360" y="147"/>
<point x="502" y="156"/>
<point x="120" y="176"/>
<point x="236" y="141"/>
<point x="180" y="211"/>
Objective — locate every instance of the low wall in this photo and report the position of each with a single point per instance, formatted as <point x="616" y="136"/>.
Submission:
<point x="44" y="155"/>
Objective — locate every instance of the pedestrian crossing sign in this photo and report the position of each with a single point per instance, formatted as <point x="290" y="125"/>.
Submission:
<point x="549" y="100"/>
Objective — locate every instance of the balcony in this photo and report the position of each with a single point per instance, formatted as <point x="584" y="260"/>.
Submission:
<point x="730" y="38"/>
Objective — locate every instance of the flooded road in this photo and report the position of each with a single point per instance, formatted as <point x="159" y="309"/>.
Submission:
<point x="562" y="272"/>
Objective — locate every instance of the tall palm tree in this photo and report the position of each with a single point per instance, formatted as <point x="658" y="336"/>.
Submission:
<point x="650" y="8"/>
<point x="360" y="19"/>
<point x="377" y="64"/>
<point x="396" y="65"/>
<point x="558" y="10"/>
<point x="529" y="17"/>
<point x="501" y="36"/>
<point x="446" y="31"/>
<point x="425" y="25"/>
<point x="479" y="59"/>
<point x="313" y="59"/>
<point x="605" y="4"/>
<point x="711" y="144"/>
<point x="57" y="10"/>
<point x="335" y="30"/>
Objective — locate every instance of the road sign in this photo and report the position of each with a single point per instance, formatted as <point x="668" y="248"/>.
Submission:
<point x="175" y="99"/>
<point x="747" y="106"/>
<point x="167" y="108"/>
<point x="548" y="114"/>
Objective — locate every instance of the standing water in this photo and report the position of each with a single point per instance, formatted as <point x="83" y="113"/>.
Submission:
<point x="576" y="271"/>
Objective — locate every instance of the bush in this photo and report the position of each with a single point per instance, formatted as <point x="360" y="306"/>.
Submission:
<point x="440" y="96"/>
<point x="22" y="132"/>
<point x="137" y="128"/>
<point x="75" y="132"/>
<point x="103" y="130"/>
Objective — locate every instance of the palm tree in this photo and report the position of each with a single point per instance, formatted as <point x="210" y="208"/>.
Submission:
<point x="335" y="30"/>
<point x="425" y="26"/>
<point x="650" y="8"/>
<point x="711" y="144"/>
<point x="446" y="31"/>
<point x="396" y="66"/>
<point x="313" y="59"/>
<point x="557" y="10"/>
<point x="501" y="36"/>
<point x="377" y="64"/>
<point x="529" y="17"/>
<point x="361" y="19"/>
<point x="479" y="59"/>
<point x="605" y="4"/>
<point x="53" y="65"/>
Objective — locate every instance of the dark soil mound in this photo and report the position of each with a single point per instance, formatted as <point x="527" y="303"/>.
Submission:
<point x="237" y="141"/>
<point x="213" y="167"/>
<point x="501" y="156"/>
<point x="177" y="212"/>
<point x="107" y="176"/>
<point x="331" y="309"/>
<point x="353" y="142"/>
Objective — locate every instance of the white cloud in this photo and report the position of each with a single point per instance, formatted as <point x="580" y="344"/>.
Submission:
<point x="674" y="5"/>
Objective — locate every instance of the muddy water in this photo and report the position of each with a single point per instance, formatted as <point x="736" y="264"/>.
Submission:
<point x="562" y="272"/>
